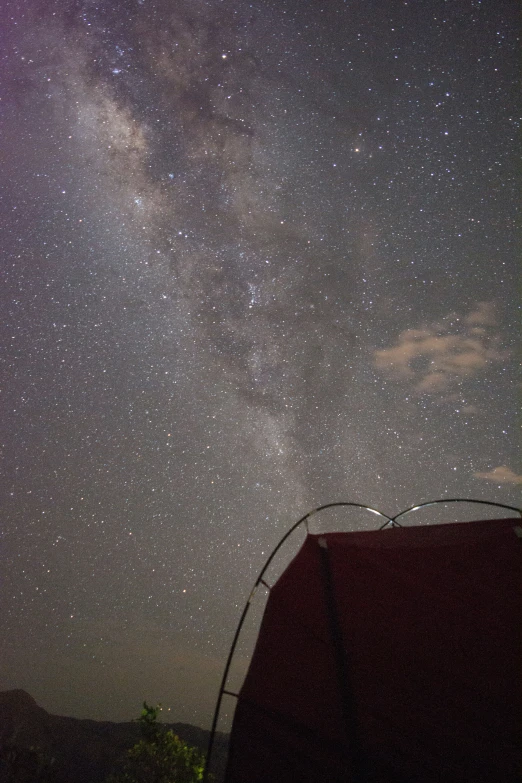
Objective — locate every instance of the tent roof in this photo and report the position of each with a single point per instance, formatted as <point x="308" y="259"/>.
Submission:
<point x="390" y="655"/>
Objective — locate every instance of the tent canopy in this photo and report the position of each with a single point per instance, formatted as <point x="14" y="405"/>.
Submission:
<point x="392" y="655"/>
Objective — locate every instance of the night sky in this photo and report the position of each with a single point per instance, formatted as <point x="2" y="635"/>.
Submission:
<point x="256" y="257"/>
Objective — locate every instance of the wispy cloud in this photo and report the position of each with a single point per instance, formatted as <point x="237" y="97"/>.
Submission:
<point x="501" y="475"/>
<point x="437" y="357"/>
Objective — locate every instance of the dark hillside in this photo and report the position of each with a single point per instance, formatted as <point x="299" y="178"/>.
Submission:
<point x="84" y="751"/>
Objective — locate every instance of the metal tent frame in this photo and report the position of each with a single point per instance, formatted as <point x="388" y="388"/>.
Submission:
<point x="389" y="522"/>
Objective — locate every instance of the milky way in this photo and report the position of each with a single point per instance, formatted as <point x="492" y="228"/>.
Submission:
<point x="257" y="257"/>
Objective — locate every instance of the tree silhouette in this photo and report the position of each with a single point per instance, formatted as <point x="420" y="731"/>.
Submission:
<point x="160" y="756"/>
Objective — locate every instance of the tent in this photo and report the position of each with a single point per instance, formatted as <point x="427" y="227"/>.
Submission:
<point x="389" y="655"/>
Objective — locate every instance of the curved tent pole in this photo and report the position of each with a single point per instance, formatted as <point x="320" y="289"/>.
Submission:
<point x="392" y="521"/>
<point x="305" y="519"/>
<point x="289" y="532"/>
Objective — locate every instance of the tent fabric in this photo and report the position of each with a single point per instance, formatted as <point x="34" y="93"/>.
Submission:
<point x="391" y="655"/>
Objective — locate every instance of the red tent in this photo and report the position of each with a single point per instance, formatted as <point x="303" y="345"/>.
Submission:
<point x="391" y="655"/>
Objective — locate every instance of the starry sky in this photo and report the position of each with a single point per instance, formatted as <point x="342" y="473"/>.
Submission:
<point x="256" y="257"/>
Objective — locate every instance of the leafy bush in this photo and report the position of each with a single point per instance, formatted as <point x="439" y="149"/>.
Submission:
<point x="160" y="756"/>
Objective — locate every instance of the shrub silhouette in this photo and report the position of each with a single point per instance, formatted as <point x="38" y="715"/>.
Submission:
<point x="160" y="756"/>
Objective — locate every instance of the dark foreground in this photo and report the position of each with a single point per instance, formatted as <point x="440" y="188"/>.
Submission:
<point x="84" y="751"/>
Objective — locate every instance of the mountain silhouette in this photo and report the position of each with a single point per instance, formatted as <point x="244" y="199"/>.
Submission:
<point x="73" y="749"/>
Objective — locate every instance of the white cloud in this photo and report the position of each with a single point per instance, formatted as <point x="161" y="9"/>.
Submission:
<point x="440" y="356"/>
<point x="482" y="315"/>
<point x="501" y="475"/>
